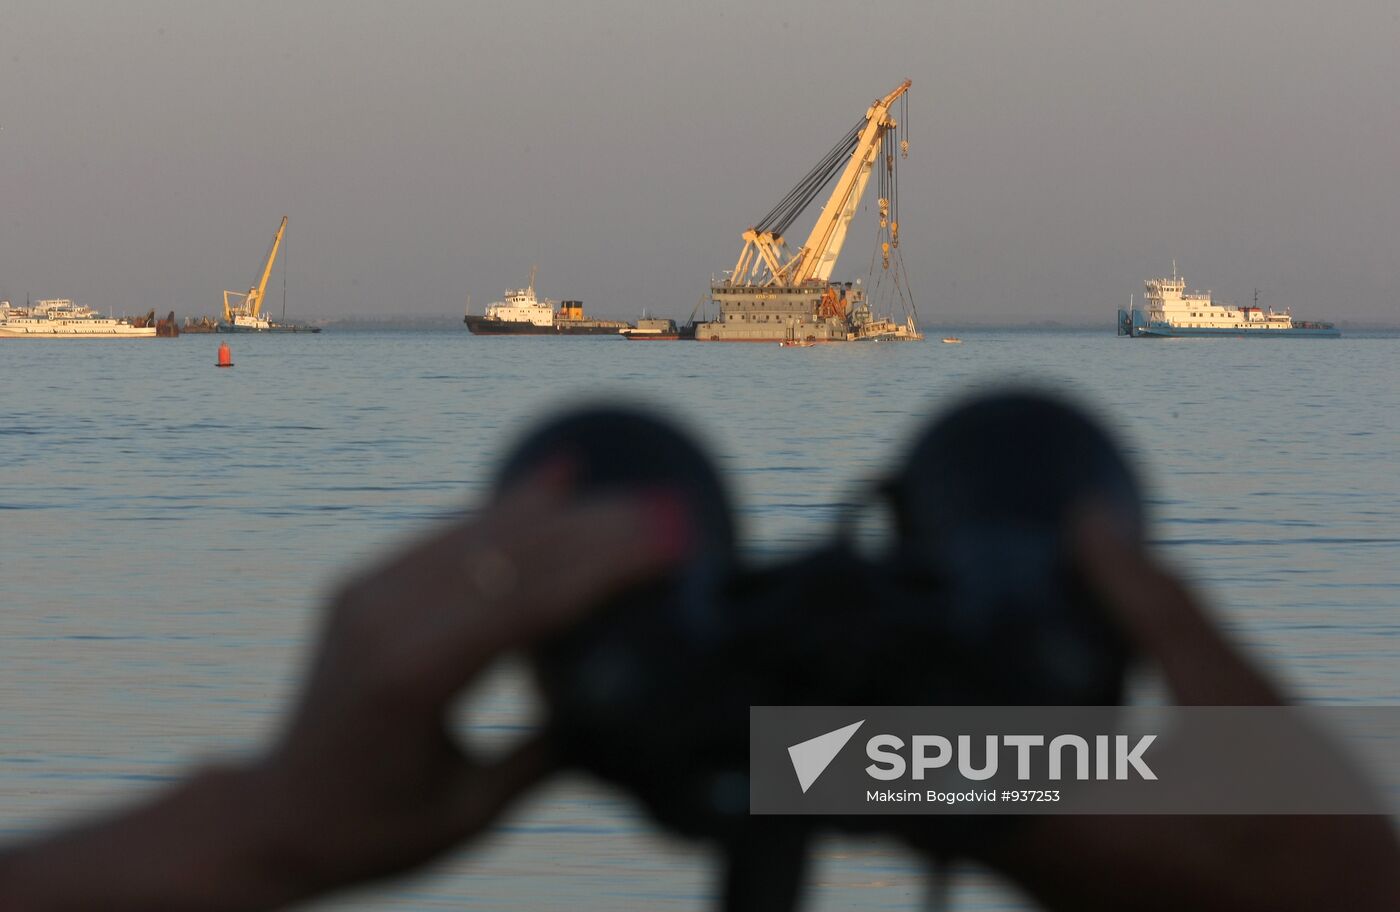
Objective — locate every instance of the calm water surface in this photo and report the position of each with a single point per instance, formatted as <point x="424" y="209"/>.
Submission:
<point x="167" y="531"/>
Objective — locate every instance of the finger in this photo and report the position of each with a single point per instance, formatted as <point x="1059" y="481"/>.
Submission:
<point x="513" y="507"/>
<point x="431" y="620"/>
<point x="610" y="548"/>
<point x="1143" y="600"/>
<point x="461" y="601"/>
<point x="547" y="484"/>
<point x="409" y="579"/>
<point x="1164" y="620"/>
<point x="568" y="563"/>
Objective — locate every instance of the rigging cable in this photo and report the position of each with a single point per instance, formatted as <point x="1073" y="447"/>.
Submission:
<point x="904" y="125"/>
<point x="802" y="195"/>
<point x="894" y="191"/>
<point x="781" y="216"/>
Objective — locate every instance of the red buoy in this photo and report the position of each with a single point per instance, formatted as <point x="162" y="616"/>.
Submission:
<point x="225" y="355"/>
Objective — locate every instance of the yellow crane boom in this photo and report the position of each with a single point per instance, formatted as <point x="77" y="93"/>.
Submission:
<point x="764" y="259"/>
<point x="249" y="303"/>
<point x="817" y="258"/>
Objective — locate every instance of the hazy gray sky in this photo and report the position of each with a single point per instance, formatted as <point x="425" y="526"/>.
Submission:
<point x="424" y="151"/>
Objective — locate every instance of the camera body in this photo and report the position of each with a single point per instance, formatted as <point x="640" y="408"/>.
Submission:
<point x="974" y="601"/>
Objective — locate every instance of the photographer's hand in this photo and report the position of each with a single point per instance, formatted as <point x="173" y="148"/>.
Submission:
<point x="365" y="780"/>
<point x="1232" y="863"/>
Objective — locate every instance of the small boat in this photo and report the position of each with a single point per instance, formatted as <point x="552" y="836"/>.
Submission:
<point x="795" y="343"/>
<point x="886" y="330"/>
<point x="655" y="330"/>
<point x="951" y="340"/>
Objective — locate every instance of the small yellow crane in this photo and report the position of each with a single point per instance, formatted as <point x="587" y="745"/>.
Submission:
<point x="244" y="309"/>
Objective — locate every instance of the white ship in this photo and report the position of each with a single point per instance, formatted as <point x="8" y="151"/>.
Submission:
<point x="521" y="306"/>
<point x="523" y="314"/>
<point x="1169" y="310"/>
<point x="61" y="318"/>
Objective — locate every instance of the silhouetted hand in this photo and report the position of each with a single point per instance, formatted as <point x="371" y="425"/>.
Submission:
<point x="1166" y="623"/>
<point x="366" y="780"/>
<point x="1227" y="863"/>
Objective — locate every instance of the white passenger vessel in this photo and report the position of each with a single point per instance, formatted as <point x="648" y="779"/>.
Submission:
<point x="1169" y="310"/>
<point x="61" y="318"/>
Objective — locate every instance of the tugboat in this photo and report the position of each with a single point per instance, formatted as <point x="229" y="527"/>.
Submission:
<point x="523" y="314"/>
<point x="1170" y="311"/>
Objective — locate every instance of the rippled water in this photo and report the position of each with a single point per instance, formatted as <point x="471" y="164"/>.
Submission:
<point x="167" y="529"/>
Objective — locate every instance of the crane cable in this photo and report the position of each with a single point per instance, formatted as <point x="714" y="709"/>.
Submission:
<point x="781" y="216"/>
<point x="894" y="188"/>
<point x="811" y="184"/>
<point x="887" y="237"/>
<point x="904" y="126"/>
<point x="801" y="196"/>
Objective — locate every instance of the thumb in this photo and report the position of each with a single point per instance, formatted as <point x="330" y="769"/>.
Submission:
<point x="483" y="791"/>
<point x="1164" y="619"/>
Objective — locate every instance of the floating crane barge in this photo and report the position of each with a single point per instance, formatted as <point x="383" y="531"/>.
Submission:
<point x="243" y="311"/>
<point x="776" y="295"/>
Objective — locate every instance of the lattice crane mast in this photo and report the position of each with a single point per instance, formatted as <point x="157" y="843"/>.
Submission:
<point x="249" y="303"/>
<point x="766" y="259"/>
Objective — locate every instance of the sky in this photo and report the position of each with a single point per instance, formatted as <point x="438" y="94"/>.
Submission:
<point x="1060" y="153"/>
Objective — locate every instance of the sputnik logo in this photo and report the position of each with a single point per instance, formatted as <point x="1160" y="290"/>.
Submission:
<point x="811" y="757"/>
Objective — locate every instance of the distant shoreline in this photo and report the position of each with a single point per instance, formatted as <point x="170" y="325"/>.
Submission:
<point x="452" y="322"/>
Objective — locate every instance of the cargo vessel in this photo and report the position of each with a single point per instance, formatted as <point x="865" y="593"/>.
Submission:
<point x="1170" y="311"/>
<point x="60" y="318"/>
<point x="524" y="314"/>
<point x="776" y="295"/>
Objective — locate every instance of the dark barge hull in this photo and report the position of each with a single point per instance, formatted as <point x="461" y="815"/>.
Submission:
<point x="481" y="326"/>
